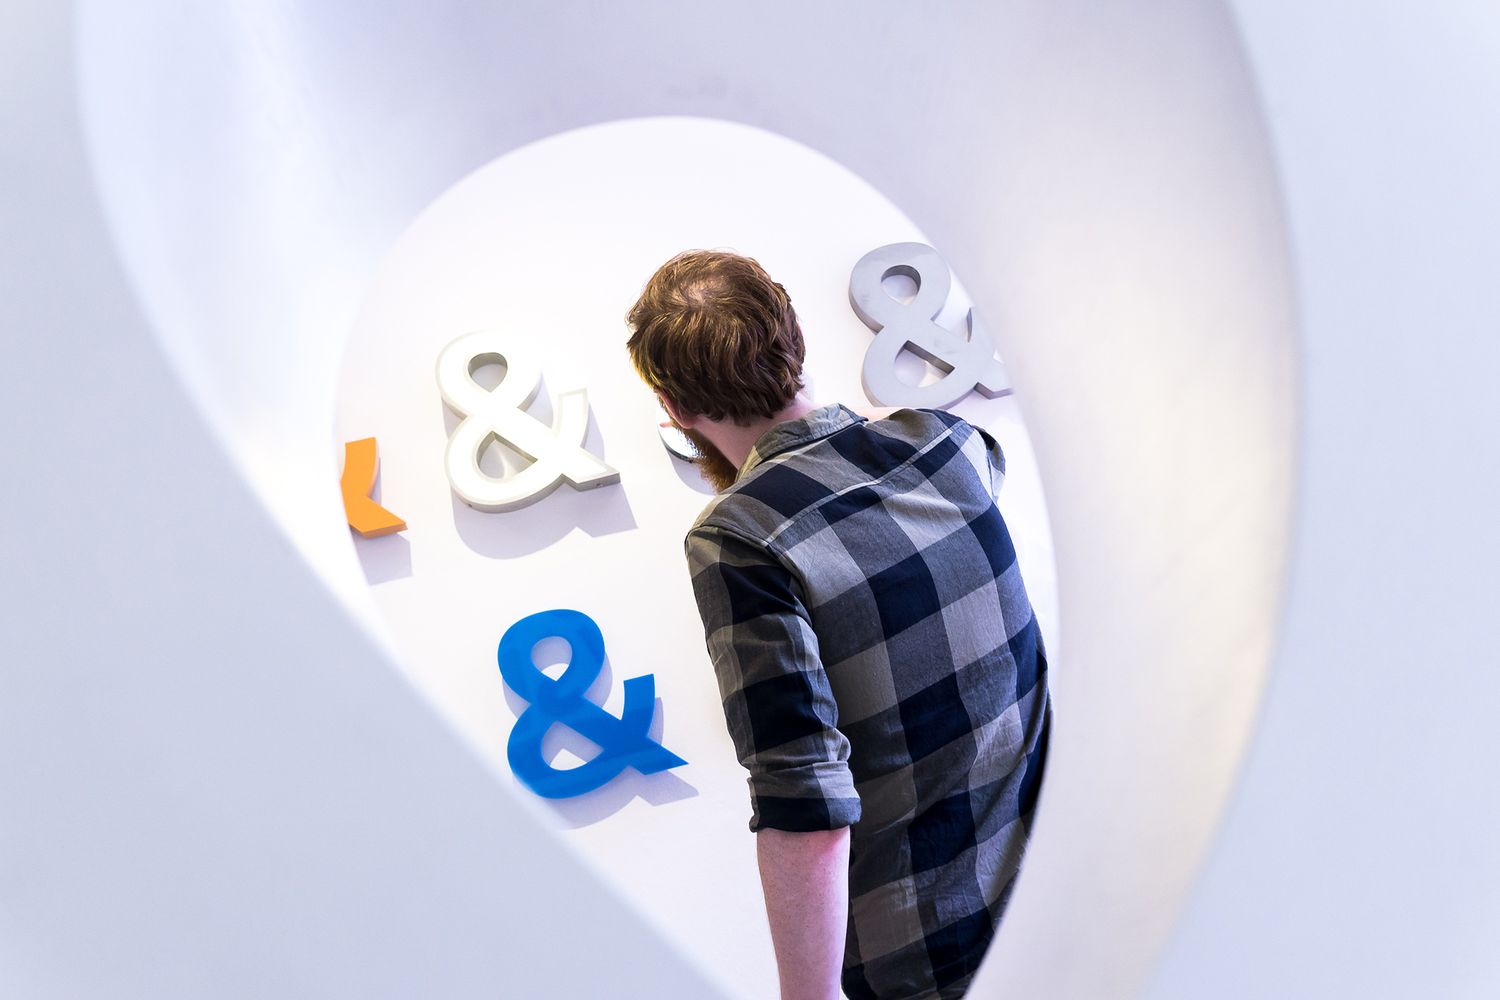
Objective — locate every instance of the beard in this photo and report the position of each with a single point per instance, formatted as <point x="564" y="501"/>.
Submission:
<point x="715" y="469"/>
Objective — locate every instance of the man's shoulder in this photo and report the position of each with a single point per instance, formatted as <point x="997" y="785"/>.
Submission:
<point x="760" y="501"/>
<point x="786" y="486"/>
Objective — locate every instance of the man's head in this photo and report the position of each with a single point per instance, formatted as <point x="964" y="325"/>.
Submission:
<point x="715" y="337"/>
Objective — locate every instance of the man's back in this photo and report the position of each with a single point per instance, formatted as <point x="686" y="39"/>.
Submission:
<point x="881" y="668"/>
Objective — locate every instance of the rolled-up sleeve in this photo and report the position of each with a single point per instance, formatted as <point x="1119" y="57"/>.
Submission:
<point x="777" y="702"/>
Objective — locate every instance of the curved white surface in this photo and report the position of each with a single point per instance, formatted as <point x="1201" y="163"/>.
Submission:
<point x="1360" y="857"/>
<point x="211" y="785"/>
<point x="1138" y="291"/>
<point x="271" y="157"/>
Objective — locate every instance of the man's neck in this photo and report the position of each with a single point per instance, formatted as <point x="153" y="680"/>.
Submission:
<point x="736" y="440"/>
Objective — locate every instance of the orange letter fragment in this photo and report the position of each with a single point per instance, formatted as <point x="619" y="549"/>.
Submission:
<point x="367" y="517"/>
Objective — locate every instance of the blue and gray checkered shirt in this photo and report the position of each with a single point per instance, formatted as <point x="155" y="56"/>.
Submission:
<point x="881" y="668"/>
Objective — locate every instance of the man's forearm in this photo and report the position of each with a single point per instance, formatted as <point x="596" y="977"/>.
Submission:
<point x="805" y="877"/>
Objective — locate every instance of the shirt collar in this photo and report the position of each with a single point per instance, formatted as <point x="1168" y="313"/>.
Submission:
<point x="806" y="429"/>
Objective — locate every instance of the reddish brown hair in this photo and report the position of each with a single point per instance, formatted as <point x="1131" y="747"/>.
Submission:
<point x="715" y="335"/>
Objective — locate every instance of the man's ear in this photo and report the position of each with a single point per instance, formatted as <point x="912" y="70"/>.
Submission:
<point x="683" y="418"/>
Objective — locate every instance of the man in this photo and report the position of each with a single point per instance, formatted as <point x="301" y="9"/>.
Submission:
<point x="882" y="673"/>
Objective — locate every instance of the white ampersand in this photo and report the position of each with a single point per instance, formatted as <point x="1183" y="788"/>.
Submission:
<point x="969" y="362"/>
<point x="557" y="452"/>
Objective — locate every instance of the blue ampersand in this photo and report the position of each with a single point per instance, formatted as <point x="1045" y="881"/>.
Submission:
<point x="622" y="742"/>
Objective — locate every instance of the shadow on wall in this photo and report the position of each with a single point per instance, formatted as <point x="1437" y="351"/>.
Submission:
<point x="602" y="803"/>
<point x="384" y="559"/>
<point x="602" y="511"/>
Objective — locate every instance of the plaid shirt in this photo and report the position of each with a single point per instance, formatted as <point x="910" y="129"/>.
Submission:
<point x="881" y="668"/>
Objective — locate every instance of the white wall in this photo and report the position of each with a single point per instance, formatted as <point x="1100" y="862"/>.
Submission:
<point x="1099" y="176"/>
<point x="1360" y="856"/>
<point x="211" y="784"/>
<point x="1104" y="186"/>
